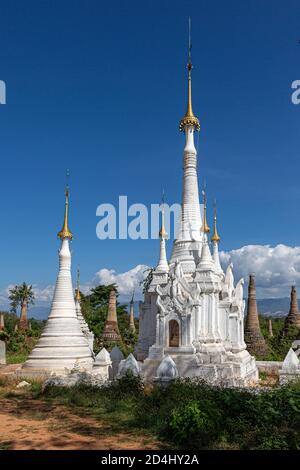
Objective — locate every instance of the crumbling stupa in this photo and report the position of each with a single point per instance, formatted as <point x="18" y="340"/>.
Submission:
<point x="254" y="339"/>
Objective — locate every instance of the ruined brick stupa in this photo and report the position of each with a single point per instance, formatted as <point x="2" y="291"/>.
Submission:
<point x="111" y="331"/>
<point x="255" y="341"/>
<point x="293" y="317"/>
<point x="62" y="345"/>
<point x="192" y="317"/>
<point x="131" y="315"/>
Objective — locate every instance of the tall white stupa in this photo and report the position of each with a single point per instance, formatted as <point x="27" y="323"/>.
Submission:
<point x="62" y="345"/>
<point x="192" y="316"/>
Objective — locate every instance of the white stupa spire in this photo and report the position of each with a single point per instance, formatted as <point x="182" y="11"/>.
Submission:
<point x="163" y="266"/>
<point x="189" y="237"/>
<point x="62" y="345"/>
<point x="215" y="241"/>
<point x="206" y="262"/>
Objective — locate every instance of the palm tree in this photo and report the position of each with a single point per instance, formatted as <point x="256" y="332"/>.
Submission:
<point x="21" y="295"/>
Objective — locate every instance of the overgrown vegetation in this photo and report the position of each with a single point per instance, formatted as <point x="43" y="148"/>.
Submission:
<point x="94" y="309"/>
<point x="189" y="414"/>
<point x="19" y="342"/>
<point x="278" y="345"/>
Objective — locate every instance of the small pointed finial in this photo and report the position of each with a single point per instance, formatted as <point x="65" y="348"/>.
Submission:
<point x="205" y="228"/>
<point x="163" y="233"/>
<point x="65" y="231"/>
<point x="132" y="298"/>
<point x="189" y="118"/>
<point x="215" y="237"/>
<point x="77" y="295"/>
<point x="190" y="43"/>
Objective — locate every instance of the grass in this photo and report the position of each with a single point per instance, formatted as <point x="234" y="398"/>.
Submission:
<point x="16" y="357"/>
<point x="190" y="414"/>
<point x="186" y="414"/>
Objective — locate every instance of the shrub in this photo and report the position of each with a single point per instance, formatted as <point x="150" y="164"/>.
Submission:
<point x="195" y="423"/>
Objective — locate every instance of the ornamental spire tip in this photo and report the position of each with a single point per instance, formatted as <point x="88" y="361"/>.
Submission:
<point x="189" y="118"/>
<point x="65" y="232"/>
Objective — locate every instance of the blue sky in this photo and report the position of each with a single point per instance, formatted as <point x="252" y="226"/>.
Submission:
<point x="100" y="87"/>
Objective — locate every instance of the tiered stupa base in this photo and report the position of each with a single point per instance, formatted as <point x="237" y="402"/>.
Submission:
<point x="218" y="368"/>
<point x="256" y="344"/>
<point x="111" y="332"/>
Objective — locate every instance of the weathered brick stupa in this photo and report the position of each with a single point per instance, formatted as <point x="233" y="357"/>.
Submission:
<point x="293" y="317"/>
<point x="111" y="331"/>
<point x="131" y="316"/>
<point x="254" y="339"/>
<point x="2" y="323"/>
<point x="192" y="318"/>
<point x="62" y="345"/>
<point x="270" y="328"/>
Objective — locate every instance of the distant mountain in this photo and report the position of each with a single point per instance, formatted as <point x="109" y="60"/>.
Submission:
<point x="274" y="307"/>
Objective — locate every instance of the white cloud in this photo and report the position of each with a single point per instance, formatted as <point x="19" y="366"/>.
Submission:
<point x="126" y="282"/>
<point x="44" y="294"/>
<point x="275" y="268"/>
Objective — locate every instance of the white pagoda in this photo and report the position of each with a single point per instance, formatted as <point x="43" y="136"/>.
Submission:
<point x="192" y="313"/>
<point x="63" y="345"/>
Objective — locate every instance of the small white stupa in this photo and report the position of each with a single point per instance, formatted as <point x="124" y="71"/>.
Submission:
<point x="62" y="345"/>
<point x="83" y="324"/>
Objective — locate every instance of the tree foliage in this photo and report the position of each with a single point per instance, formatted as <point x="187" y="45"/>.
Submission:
<point x="21" y="295"/>
<point x="94" y="309"/>
<point x="279" y="344"/>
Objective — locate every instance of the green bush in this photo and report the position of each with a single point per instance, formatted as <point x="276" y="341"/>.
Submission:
<point x="194" y="415"/>
<point x="195" y="422"/>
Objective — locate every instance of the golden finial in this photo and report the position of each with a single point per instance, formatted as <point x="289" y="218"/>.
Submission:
<point x="205" y="228"/>
<point x="215" y="237"/>
<point x="65" y="231"/>
<point x="163" y="233"/>
<point x="189" y="118"/>
<point x="77" y="290"/>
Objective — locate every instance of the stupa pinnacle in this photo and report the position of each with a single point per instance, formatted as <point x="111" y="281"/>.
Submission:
<point x="215" y="241"/>
<point x="189" y="237"/>
<point x="163" y="266"/>
<point x="65" y="232"/>
<point x="62" y="345"/>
